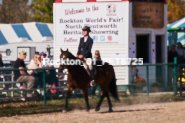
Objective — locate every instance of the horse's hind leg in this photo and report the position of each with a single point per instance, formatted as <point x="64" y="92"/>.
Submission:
<point x="66" y="99"/>
<point x="109" y="102"/>
<point x="86" y="99"/>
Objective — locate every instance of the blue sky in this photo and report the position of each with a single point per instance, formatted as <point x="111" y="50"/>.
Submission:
<point x="29" y="2"/>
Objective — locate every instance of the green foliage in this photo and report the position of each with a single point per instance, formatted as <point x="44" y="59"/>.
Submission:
<point x="176" y="10"/>
<point x="156" y="84"/>
<point x="15" y="11"/>
<point x="43" y="10"/>
<point x="137" y="85"/>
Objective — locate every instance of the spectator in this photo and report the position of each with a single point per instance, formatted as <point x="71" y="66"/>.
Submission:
<point x="22" y="76"/>
<point x="36" y="53"/>
<point x="97" y="58"/>
<point x="172" y="54"/>
<point x="1" y="61"/>
<point x="34" y="64"/>
<point x="181" y="52"/>
<point x="50" y="74"/>
<point x="43" y="55"/>
<point x="97" y="55"/>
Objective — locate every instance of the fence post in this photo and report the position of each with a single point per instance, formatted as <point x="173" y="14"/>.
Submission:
<point x="44" y="86"/>
<point x="147" y="81"/>
<point x="180" y="72"/>
<point x="12" y="93"/>
<point x="175" y="76"/>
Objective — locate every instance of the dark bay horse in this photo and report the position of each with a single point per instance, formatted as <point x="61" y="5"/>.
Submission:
<point x="79" y="78"/>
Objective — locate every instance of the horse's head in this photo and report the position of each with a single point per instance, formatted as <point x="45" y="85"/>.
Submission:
<point x="65" y="57"/>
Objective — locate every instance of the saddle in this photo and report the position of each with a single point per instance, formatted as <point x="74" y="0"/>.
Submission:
<point x="86" y="67"/>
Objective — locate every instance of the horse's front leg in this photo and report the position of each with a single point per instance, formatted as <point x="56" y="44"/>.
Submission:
<point x="99" y="103"/>
<point x="86" y="99"/>
<point x="66" y="98"/>
<point x="105" y="93"/>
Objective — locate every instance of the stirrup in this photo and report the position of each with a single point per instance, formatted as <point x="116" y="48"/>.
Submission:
<point x="92" y="83"/>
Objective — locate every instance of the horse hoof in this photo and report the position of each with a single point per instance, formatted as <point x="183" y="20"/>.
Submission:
<point x="97" y="109"/>
<point x="87" y="110"/>
<point x="110" y="110"/>
<point x="64" y="111"/>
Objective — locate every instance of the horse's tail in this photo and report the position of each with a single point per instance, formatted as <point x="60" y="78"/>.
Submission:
<point x="113" y="88"/>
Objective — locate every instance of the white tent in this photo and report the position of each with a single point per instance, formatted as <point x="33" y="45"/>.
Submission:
<point x="33" y="32"/>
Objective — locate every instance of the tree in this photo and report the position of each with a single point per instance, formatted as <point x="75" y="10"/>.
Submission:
<point x="15" y="11"/>
<point x="43" y="10"/>
<point x="176" y="10"/>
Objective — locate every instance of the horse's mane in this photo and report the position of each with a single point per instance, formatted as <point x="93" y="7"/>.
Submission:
<point x="71" y="55"/>
<point x="98" y="62"/>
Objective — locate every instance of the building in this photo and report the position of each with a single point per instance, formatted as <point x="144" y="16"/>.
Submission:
<point x="120" y="28"/>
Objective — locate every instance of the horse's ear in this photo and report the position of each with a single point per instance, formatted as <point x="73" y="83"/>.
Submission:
<point x="61" y="50"/>
<point x="67" y="50"/>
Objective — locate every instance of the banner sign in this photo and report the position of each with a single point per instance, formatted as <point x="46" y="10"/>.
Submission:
<point x="148" y="15"/>
<point x="108" y="22"/>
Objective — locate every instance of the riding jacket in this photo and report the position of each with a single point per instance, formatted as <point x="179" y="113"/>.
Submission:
<point x="84" y="48"/>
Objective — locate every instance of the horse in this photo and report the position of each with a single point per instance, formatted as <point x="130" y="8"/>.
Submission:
<point x="78" y="78"/>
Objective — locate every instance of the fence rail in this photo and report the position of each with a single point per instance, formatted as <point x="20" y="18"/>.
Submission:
<point x="174" y="65"/>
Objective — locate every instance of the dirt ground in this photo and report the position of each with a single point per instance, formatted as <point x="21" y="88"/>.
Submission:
<point x="172" y="112"/>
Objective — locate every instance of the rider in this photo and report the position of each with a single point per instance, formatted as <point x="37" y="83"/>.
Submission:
<point x="84" y="51"/>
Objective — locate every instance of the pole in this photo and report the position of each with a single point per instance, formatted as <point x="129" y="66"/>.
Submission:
<point x="175" y="76"/>
<point x="147" y="80"/>
<point x="99" y="92"/>
<point x="44" y="86"/>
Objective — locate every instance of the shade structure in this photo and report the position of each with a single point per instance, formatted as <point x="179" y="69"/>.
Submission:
<point x="33" y="32"/>
<point x="176" y="32"/>
<point x="177" y="24"/>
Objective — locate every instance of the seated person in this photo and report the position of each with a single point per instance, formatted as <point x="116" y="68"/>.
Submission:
<point x="22" y="76"/>
<point x="37" y="53"/>
<point x="43" y="55"/>
<point x="50" y="74"/>
<point x="34" y="64"/>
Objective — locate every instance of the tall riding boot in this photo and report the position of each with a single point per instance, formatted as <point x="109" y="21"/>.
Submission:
<point x="92" y="83"/>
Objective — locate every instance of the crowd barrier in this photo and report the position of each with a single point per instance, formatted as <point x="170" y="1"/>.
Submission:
<point x="11" y="86"/>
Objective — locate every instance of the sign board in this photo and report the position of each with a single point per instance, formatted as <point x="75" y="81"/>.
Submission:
<point x="108" y="22"/>
<point x="148" y="15"/>
<point x="116" y="59"/>
<point x="117" y="55"/>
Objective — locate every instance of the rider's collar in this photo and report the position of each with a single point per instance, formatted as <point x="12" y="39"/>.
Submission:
<point x="85" y="38"/>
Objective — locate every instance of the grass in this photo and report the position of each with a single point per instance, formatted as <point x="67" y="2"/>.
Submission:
<point x="1" y="85"/>
<point x="32" y="107"/>
<point x="16" y="94"/>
